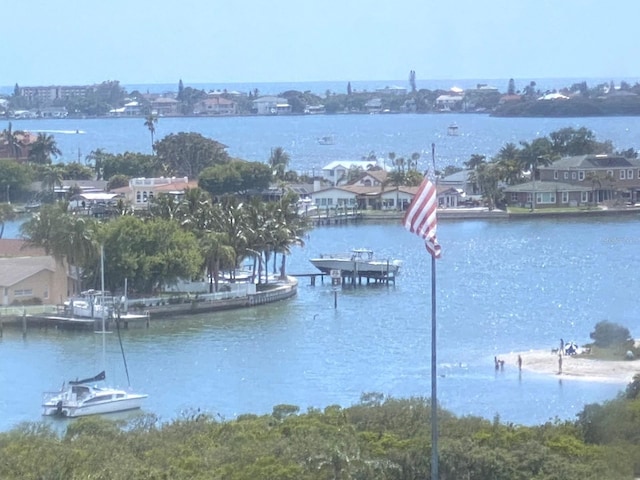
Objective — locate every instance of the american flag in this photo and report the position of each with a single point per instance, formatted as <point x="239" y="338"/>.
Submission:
<point x="421" y="217"/>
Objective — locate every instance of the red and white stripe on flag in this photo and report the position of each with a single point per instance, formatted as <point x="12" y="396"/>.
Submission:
<point x="421" y="217"/>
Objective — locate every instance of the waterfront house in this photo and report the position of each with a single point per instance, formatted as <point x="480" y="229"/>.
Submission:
<point x="141" y="190"/>
<point x="610" y="178"/>
<point x="547" y="194"/>
<point x="270" y="105"/>
<point x="447" y="103"/>
<point x="373" y="106"/>
<point x="164" y="106"/>
<point x="371" y="178"/>
<point x="216" y="105"/>
<point x="29" y="276"/>
<point x="337" y="172"/>
<point x="461" y="181"/>
<point x="378" y="197"/>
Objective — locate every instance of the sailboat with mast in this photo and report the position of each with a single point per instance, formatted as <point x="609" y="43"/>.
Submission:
<point x="83" y="397"/>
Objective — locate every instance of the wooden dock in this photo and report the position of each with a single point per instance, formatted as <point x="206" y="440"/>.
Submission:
<point x="311" y="276"/>
<point x="64" y="322"/>
<point x="348" y="278"/>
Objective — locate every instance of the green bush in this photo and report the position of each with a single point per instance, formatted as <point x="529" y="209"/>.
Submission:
<point x="607" y="334"/>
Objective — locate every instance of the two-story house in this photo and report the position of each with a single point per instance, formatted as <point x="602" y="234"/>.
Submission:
<point x="141" y="190"/>
<point x="270" y="105"/>
<point x="609" y="178"/>
<point x="216" y="105"/>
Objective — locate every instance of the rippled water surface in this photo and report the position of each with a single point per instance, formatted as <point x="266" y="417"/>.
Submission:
<point x="501" y="286"/>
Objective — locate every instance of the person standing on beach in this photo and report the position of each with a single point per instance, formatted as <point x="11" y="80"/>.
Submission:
<point x="519" y="362"/>
<point x="559" y="363"/>
<point x="561" y="345"/>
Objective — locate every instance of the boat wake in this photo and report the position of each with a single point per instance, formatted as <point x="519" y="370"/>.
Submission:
<point x="66" y="132"/>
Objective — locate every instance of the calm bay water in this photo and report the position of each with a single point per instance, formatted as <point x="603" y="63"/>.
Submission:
<point x="252" y="138"/>
<point x="502" y="286"/>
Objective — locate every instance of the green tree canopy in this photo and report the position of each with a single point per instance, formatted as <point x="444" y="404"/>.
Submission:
<point x="150" y="254"/>
<point x="130" y="164"/>
<point x="187" y="154"/>
<point x="14" y="178"/>
<point x="236" y="176"/>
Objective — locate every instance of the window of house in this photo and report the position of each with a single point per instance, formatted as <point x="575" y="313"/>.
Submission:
<point x="546" y="197"/>
<point x="610" y="173"/>
<point x="574" y="175"/>
<point x="629" y="174"/>
<point x="514" y="197"/>
<point x="565" y="197"/>
<point x="623" y="174"/>
<point x="144" y="197"/>
<point x="23" y="292"/>
<point x="581" y="175"/>
<point x="555" y="175"/>
<point x="584" y="197"/>
<point x="138" y="197"/>
<point x="566" y="175"/>
<point x="529" y="197"/>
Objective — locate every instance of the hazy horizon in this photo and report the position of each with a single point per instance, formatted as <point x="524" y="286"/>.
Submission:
<point x="198" y="41"/>
<point x="321" y="86"/>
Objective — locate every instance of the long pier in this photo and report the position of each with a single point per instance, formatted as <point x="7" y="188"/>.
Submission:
<point x="351" y="278"/>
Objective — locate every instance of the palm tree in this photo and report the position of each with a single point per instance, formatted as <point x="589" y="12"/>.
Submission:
<point x="475" y="161"/>
<point x="229" y="218"/>
<point x="13" y="141"/>
<point x="43" y="149"/>
<point x="164" y="206"/>
<point x="195" y="210"/>
<point x="217" y="254"/>
<point x="531" y="156"/>
<point x="97" y="157"/>
<point x="81" y="245"/>
<point x="52" y="177"/>
<point x="150" y="122"/>
<point x="413" y="163"/>
<point x="279" y="161"/>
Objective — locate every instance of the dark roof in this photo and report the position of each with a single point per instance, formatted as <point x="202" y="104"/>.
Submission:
<point x="540" y="186"/>
<point x="593" y="161"/>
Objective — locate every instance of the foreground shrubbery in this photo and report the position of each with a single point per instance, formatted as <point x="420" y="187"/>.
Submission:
<point x="375" y="439"/>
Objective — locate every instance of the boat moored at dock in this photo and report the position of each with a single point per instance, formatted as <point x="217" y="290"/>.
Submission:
<point x="360" y="262"/>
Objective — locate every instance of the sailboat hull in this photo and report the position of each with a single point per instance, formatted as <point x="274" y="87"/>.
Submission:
<point x="83" y="400"/>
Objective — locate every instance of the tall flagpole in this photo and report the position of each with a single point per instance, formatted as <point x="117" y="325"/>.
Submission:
<point x="434" y="377"/>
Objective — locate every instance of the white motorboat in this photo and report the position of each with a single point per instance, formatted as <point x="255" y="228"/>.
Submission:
<point x="84" y="397"/>
<point x="452" y="130"/>
<point x="360" y="262"/>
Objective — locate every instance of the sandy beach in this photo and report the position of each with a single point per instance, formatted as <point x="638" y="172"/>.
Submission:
<point x="573" y="367"/>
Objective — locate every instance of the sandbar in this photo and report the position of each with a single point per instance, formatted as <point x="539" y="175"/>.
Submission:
<point x="578" y="367"/>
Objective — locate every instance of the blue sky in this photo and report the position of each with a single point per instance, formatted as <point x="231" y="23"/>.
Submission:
<point x="210" y="41"/>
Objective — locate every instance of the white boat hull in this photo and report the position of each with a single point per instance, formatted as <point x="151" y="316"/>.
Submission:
<point x="362" y="267"/>
<point x="98" y="401"/>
